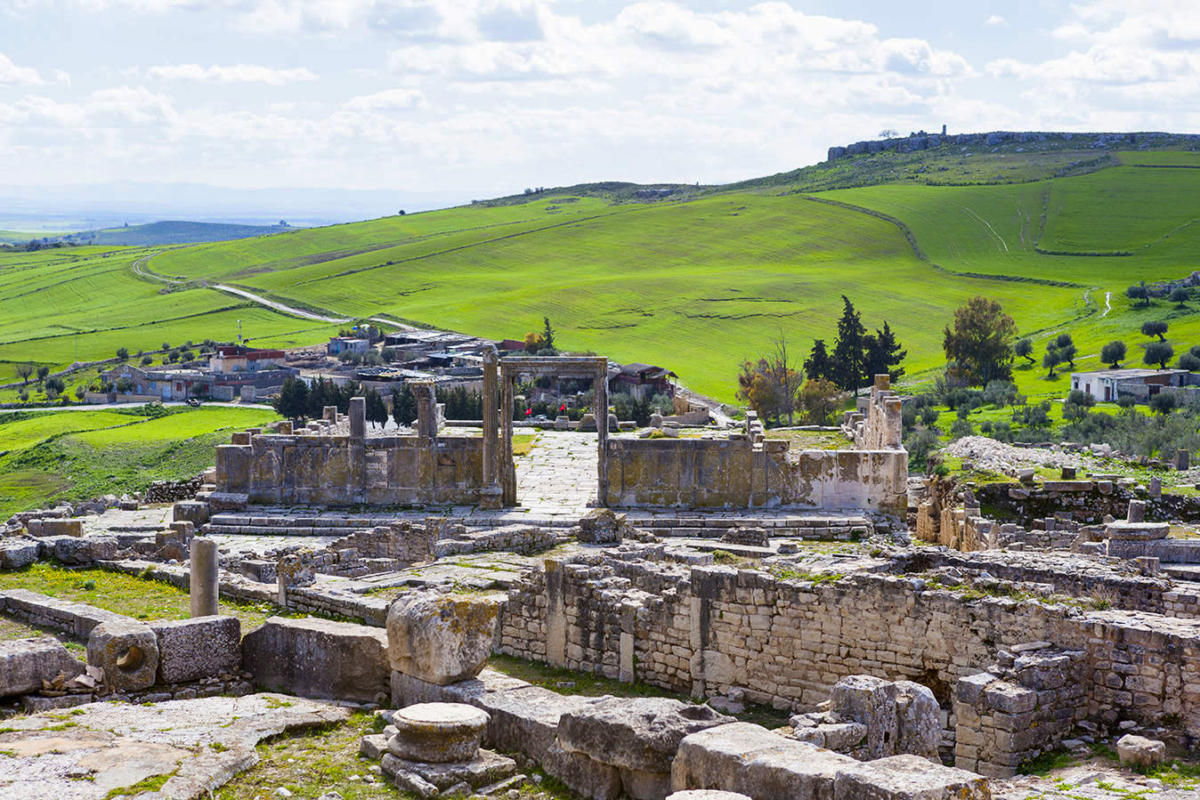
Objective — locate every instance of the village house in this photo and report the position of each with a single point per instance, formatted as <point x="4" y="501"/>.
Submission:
<point x="347" y="344"/>
<point x="643" y="381"/>
<point x="1110" y="385"/>
<point x="232" y="371"/>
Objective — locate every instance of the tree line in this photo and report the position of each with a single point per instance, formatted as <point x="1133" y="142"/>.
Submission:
<point x="777" y="390"/>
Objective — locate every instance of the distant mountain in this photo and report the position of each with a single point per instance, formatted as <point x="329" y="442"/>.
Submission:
<point x="171" y="232"/>
<point x="89" y="206"/>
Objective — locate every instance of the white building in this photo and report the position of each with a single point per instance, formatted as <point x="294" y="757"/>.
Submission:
<point x="1110" y="385"/>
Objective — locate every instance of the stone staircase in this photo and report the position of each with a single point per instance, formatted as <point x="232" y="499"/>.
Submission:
<point x="689" y="524"/>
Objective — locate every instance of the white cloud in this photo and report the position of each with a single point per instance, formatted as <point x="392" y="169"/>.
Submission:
<point x="233" y="73"/>
<point x="11" y="73"/>
<point x="995" y="19"/>
<point x="389" y="99"/>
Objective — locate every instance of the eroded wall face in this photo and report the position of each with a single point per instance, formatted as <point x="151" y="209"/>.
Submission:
<point x="344" y="470"/>
<point x="735" y="473"/>
<point x="786" y="642"/>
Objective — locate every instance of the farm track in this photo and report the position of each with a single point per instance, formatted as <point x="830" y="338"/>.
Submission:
<point x="140" y="270"/>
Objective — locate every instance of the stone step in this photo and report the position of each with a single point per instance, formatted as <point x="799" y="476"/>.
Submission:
<point x="690" y="525"/>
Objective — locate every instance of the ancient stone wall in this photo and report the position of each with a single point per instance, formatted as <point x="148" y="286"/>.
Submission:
<point x="1025" y="708"/>
<point x="738" y="473"/>
<point x="348" y="470"/>
<point x="749" y="471"/>
<point x="1087" y="501"/>
<point x="706" y="630"/>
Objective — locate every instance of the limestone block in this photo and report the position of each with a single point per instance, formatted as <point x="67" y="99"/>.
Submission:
<point x="583" y="775"/>
<point x="909" y="777"/>
<point x="484" y="769"/>
<point x="16" y="554"/>
<point x="441" y="638"/>
<point x="639" y="734"/>
<point x="25" y="663"/>
<point x="127" y="651"/>
<point x="1139" y="751"/>
<point x="62" y="527"/>
<point x="751" y="760"/>
<point x="526" y="718"/>
<point x="72" y="551"/>
<point x="373" y="746"/>
<point x="706" y="794"/>
<point x="601" y="526"/>
<point x="197" y="648"/>
<point x="919" y="730"/>
<point x="438" y="732"/>
<point x="191" y="511"/>
<point x="318" y="658"/>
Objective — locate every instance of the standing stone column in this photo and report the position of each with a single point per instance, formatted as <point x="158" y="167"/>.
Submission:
<point x="358" y="417"/>
<point x="600" y="386"/>
<point x="892" y="437"/>
<point x="508" y="477"/>
<point x="426" y="396"/>
<point x="357" y="477"/>
<point x="330" y="414"/>
<point x="491" y="495"/>
<point x="204" y="585"/>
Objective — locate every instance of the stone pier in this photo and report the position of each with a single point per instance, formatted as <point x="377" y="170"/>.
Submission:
<point x="204" y="586"/>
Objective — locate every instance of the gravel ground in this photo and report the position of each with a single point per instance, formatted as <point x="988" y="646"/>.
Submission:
<point x="989" y="454"/>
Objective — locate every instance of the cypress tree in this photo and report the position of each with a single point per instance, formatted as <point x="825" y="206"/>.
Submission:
<point x="849" y="367"/>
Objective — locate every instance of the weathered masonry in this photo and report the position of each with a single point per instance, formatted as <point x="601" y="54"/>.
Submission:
<point x="750" y="471"/>
<point x="318" y="468"/>
<point x="787" y="641"/>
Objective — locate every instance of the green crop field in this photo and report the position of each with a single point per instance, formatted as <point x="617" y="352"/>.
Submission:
<point x="82" y="303"/>
<point x="75" y="455"/>
<point x="695" y="282"/>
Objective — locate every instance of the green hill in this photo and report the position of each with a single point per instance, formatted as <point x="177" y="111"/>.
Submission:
<point x="694" y="278"/>
<point x="171" y="232"/>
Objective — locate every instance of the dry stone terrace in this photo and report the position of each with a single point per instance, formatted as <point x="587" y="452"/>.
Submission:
<point x="904" y="645"/>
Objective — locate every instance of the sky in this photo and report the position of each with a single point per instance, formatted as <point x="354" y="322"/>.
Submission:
<point x="478" y="98"/>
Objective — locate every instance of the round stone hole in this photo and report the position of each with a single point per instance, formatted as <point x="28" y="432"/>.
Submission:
<point x="131" y="660"/>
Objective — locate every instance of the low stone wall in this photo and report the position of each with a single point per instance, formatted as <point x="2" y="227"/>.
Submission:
<point x="1087" y="501"/>
<point x="785" y="642"/>
<point x="739" y="473"/>
<point x="1010" y="715"/>
<point x="347" y="470"/>
<point x="172" y="491"/>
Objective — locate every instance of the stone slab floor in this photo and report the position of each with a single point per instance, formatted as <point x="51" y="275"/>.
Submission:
<point x="181" y="748"/>
<point x="559" y="475"/>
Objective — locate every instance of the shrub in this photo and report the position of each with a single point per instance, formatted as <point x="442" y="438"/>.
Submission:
<point x="1113" y="353"/>
<point x="961" y="427"/>
<point x="1154" y="328"/>
<point x="1189" y="361"/>
<point x="999" y="393"/>
<point x="1158" y="353"/>
<point x="1163" y="403"/>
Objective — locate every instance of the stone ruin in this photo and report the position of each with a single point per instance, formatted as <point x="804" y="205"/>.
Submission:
<point x="335" y="463"/>
<point x="892" y="671"/>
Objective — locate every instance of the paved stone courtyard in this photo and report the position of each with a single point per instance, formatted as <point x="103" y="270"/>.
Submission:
<point x="558" y="476"/>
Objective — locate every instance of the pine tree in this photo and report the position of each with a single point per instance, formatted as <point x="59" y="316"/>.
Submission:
<point x="818" y="365"/>
<point x="883" y="353"/>
<point x="377" y="412"/>
<point x="293" y="399"/>
<point x="849" y="371"/>
<point x="547" y="335"/>
<point x="404" y="406"/>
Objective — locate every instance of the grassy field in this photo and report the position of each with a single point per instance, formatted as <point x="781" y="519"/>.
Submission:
<point x="75" y="455"/>
<point x="140" y="598"/>
<point x="82" y="303"/>
<point x="696" y="284"/>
